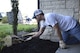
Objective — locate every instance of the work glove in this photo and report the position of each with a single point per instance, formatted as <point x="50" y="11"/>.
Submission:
<point x="62" y="45"/>
<point x="28" y="39"/>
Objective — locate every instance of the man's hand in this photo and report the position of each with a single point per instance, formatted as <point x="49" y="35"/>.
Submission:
<point x="62" y="45"/>
<point x="28" y="39"/>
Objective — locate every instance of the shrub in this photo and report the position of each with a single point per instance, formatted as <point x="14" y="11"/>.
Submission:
<point x="4" y="20"/>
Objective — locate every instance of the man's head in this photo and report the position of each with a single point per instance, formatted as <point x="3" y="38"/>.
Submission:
<point x="38" y="14"/>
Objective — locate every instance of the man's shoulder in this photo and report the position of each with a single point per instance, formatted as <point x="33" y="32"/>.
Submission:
<point x="49" y="14"/>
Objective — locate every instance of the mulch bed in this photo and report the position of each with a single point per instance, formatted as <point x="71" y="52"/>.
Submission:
<point x="35" y="45"/>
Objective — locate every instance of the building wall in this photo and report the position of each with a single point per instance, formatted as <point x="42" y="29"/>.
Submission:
<point x="65" y="7"/>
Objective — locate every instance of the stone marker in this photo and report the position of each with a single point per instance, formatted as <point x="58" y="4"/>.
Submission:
<point x="50" y="34"/>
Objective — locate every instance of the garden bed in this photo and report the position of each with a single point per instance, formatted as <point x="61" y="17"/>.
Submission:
<point x="35" y="45"/>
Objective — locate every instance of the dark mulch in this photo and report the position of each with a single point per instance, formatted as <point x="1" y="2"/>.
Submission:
<point x="33" y="46"/>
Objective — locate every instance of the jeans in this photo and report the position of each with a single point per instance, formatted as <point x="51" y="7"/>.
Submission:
<point x="72" y="36"/>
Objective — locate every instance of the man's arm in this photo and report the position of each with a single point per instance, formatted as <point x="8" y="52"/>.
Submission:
<point x="39" y="33"/>
<point x="36" y="35"/>
<point x="57" y="29"/>
<point x="61" y="42"/>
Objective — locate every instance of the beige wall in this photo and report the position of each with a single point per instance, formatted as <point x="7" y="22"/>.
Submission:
<point x="65" y="7"/>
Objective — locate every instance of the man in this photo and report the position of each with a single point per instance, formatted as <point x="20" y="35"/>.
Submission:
<point x="64" y="26"/>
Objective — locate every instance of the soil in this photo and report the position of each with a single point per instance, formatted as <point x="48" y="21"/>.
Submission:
<point x="35" y="45"/>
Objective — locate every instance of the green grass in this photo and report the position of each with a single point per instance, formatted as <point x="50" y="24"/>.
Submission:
<point x="6" y="29"/>
<point x="27" y="28"/>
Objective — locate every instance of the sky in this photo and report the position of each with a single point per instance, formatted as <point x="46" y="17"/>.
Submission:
<point x="26" y="7"/>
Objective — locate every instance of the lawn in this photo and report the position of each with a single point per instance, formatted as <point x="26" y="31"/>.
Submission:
<point x="27" y="28"/>
<point x="6" y="29"/>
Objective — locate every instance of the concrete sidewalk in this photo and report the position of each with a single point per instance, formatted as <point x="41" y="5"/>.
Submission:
<point x="70" y="49"/>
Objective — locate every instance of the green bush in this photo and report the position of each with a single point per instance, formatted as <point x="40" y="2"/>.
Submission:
<point x="4" y="20"/>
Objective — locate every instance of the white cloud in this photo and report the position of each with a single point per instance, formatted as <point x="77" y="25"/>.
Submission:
<point x="5" y="5"/>
<point x="26" y="7"/>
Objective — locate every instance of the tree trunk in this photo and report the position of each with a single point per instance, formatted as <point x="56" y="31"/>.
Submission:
<point x="15" y="13"/>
